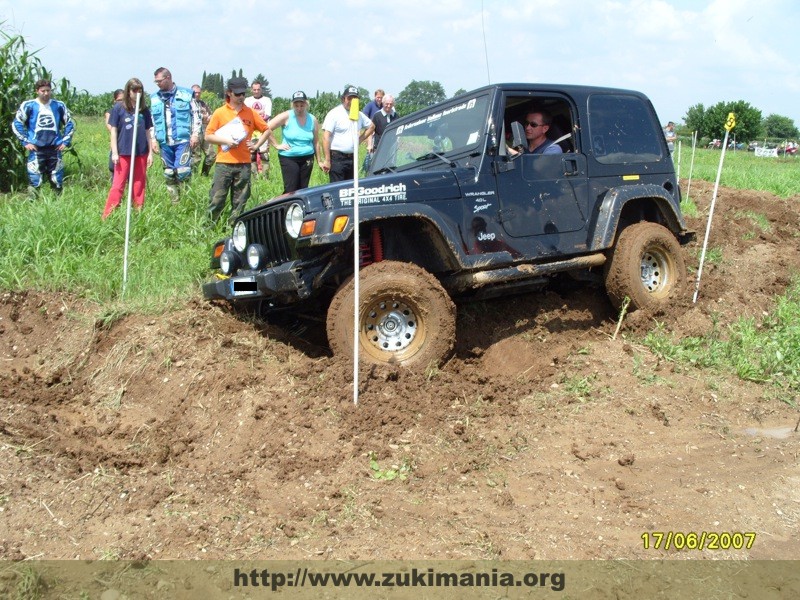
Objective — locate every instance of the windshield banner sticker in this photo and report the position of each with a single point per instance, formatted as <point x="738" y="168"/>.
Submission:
<point x="470" y="104"/>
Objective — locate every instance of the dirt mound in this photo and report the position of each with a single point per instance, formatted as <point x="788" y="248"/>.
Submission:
<point x="202" y="434"/>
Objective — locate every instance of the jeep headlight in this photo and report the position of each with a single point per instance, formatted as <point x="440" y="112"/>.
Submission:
<point x="294" y="219"/>
<point x="228" y="262"/>
<point x="256" y="255"/>
<point x="240" y="236"/>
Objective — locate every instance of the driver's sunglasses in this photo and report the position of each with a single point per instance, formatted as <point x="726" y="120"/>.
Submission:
<point x="239" y="94"/>
<point x="533" y="124"/>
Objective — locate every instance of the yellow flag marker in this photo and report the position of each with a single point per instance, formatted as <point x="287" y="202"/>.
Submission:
<point x="729" y="124"/>
<point x="354" y="110"/>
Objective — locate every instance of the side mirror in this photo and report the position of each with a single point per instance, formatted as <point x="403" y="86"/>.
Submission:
<point x="517" y="136"/>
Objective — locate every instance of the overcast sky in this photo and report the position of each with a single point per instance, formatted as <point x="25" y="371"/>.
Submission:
<point x="679" y="52"/>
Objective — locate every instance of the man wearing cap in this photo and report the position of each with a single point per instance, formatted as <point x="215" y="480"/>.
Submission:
<point x="263" y="106"/>
<point x="231" y="127"/>
<point x="337" y="137"/>
<point x="176" y="129"/>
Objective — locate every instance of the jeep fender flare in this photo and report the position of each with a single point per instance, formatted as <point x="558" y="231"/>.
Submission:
<point x="447" y="230"/>
<point x="659" y="202"/>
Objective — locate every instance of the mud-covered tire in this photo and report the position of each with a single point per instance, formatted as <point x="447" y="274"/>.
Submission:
<point x="646" y="265"/>
<point x="405" y="317"/>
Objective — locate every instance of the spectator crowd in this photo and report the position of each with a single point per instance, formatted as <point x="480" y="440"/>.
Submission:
<point x="175" y="124"/>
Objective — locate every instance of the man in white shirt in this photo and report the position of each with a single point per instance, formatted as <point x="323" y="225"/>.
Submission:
<point x="337" y="137"/>
<point x="262" y="105"/>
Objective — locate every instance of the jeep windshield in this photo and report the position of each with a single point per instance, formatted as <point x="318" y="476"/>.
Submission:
<point x="438" y="134"/>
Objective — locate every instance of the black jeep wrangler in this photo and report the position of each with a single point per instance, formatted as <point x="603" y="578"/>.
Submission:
<point x="455" y="207"/>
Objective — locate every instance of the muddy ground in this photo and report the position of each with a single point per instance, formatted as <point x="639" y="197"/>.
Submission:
<point x="197" y="434"/>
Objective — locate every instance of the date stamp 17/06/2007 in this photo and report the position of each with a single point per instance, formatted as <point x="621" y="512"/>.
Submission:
<point x="704" y="540"/>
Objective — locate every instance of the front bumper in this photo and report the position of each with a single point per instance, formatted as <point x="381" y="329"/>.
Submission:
<point x="285" y="284"/>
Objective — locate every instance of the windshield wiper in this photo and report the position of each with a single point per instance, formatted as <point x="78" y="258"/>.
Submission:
<point x="384" y="170"/>
<point x="441" y="157"/>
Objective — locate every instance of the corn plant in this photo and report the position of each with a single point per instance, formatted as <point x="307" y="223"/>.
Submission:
<point x="20" y="68"/>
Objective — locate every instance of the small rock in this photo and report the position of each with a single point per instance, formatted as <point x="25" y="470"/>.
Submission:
<point x="626" y="460"/>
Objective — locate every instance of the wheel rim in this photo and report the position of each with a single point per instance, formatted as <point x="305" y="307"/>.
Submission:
<point x="656" y="270"/>
<point x="391" y="328"/>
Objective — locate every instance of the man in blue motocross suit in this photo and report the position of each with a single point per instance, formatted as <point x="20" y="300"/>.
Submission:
<point x="176" y="129"/>
<point x="44" y="127"/>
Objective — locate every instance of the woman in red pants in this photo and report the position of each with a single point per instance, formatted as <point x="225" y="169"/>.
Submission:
<point x="121" y="123"/>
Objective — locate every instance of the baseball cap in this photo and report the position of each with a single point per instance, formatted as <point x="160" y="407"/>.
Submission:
<point x="350" y="90"/>
<point x="237" y="85"/>
<point x="299" y="96"/>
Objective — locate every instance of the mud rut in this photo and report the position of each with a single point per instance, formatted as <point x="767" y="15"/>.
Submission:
<point x="197" y="434"/>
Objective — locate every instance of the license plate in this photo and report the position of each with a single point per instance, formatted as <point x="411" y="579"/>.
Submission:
<point x="244" y="286"/>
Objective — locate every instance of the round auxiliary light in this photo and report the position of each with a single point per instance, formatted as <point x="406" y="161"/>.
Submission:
<point x="228" y="262"/>
<point x="294" y="219"/>
<point x="256" y="253"/>
<point x="240" y="236"/>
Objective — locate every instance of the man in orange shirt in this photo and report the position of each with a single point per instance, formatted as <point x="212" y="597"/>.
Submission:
<point x="231" y="127"/>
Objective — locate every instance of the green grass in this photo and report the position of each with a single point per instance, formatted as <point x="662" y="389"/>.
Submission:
<point x="765" y="350"/>
<point x="743" y="170"/>
<point x="60" y="242"/>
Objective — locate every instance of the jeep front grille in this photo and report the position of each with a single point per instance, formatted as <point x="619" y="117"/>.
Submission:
<point x="267" y="228"/>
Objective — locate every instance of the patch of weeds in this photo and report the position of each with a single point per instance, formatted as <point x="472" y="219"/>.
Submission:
<point x="580" y="388"/>
<point x="644" y="373"/>
<point x="351" y="509"/>
<point x="765" y="351"/>
<point x="400" y="472"/>
<point x="485" y="546"/>
<point x="432" y="371"/>
<point x="321" y="518"/>
<point x="496" y="480"/>
<point x="757" y="219"/>
<point x="169" y="479"/>
<point x="106" y="319"/>
<point x="100" y="475"/>
<point x="713" y="255"/>
<point x="107" y="553"/>
<point x="29" y="584"/>
<point x="114" y="400"/>
<point x="688" y="207"/>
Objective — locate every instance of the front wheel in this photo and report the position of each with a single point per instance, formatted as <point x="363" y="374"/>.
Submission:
<point x="405" y="317"/>
<point x="647" y="266"/>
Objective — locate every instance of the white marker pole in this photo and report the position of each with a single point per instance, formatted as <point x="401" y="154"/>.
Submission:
<point x="354" y="118"/>
<point x="691" y="164"/>
<point x="130" y="195"/>
<point x="728" y="126"/>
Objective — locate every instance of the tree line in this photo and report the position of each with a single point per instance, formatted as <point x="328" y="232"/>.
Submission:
<point x="710" y="122"/>
<point x="20" y="68"/>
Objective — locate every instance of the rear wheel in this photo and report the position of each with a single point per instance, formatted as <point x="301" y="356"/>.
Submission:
<point x="405" y="316"/>
<point x="647" y="266"/>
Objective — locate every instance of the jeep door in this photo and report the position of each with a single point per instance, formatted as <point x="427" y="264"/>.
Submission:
<point x="543" y="194"/>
